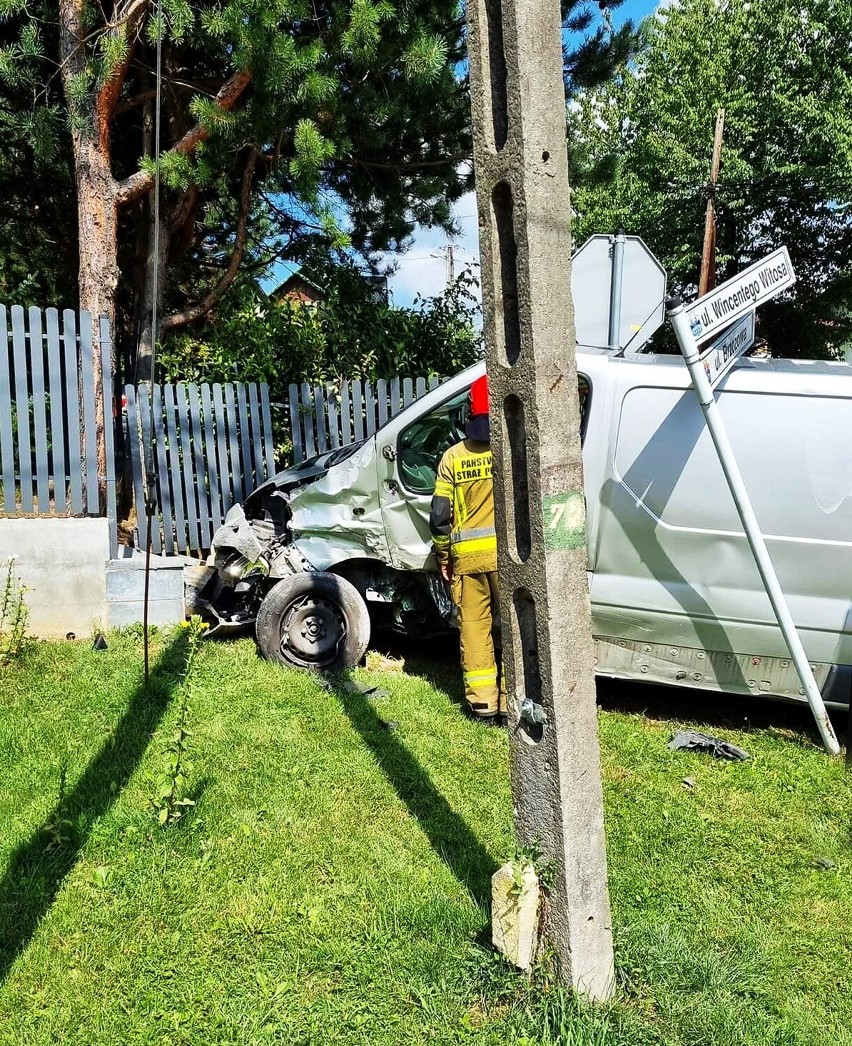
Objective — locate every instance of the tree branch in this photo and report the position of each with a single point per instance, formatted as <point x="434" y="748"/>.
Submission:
<point x="125" y="29"/>
<point x="141" y="182"/>
<point x="195" y="312"/>
<point x="402" y="165"/>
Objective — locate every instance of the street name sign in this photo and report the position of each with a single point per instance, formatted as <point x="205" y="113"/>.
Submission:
<point x="727" y="349"/>
<point x="734" y="298"/>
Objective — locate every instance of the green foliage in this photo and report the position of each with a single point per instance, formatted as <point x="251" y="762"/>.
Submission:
<point x="641" y="145"/>
<point x="170" y="800"/>
<point x="14" y="614"/>
<point x="350" y="334"/>
<point x="531" y="856"/>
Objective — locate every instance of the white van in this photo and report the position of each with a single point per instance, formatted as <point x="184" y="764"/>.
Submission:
<point x="676" y="597"/>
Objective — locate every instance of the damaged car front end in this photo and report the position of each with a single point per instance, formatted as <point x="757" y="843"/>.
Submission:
<point x="339" y="543"/>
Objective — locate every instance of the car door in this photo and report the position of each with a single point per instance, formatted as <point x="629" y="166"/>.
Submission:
<point x="409" y="449"/>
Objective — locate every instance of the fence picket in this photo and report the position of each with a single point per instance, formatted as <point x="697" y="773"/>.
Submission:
<point x="296" y="424"/>
<point x="181" y="528"/>
<point x="225" y="485"/>
<point x="57" y="416"/>
<point x="233" y="443"/>
<point x="382" y="399"/>
<point x="136" y="460"/>
<point x="190" y="500"/>
<point x="434" y="382"/>
<point x="319" y="414"/>
<point x="370" y="405"/>
<point x="333" y="417"/>
<point x="245" y="443"/>
<point x="307" y="418"/>
<point x="87" y="368"/>
<point x="345" y="414"/>
<point x="408" y="396"/>
<point x="394" y="396"/>
<point x="146" y="457"/>
<point x="200" y="487"/>
<point x="216" y="515"/>
<point x="7" y="449"/>
<point x="257" y="447"/>
<point x="420" y="388"/>
<point x="42" y="464"/>
<point x="161" y="455"/>
<point x="73" y="406"/>
<point x="105" y="346"/>
<point x="268" y="447"/>
<point x="22" y="412"/>
<point x="358" y="410"/>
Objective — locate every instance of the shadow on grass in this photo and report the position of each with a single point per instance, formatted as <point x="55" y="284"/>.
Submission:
<point x="715" y="710"/>
<point x="438" y="663"/>
<point x="36" y="871"/>
<point x="449" y="835"/>
<point x="435" y="660"/>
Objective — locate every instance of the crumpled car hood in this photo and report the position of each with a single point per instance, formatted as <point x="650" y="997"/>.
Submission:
<point x="338" y="515"/>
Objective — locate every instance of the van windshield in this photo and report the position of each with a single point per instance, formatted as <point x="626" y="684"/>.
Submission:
<point x="424" y="441"/>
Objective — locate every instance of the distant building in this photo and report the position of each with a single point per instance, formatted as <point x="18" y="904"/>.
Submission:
<point x="299" y="288"/>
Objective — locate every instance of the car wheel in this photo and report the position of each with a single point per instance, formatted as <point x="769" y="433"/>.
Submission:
<point x="315" y="620"/>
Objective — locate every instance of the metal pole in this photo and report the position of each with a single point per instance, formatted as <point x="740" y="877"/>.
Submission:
<point x="615" y="289"/>
<point x="719" y="435"/>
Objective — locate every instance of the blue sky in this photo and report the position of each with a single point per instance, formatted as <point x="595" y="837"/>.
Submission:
<point x="422" y="269"/>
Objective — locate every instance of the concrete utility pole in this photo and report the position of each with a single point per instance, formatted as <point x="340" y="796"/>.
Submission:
<point x="522" y="191"/>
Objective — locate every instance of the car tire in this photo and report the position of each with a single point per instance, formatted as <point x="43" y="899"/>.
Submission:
<point x="316" y="621"/>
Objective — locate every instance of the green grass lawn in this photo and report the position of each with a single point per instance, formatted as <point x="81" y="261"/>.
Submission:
<point x="331" y="884"/>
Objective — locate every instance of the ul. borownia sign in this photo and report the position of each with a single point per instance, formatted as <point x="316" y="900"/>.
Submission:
<point x="758" y="283"/>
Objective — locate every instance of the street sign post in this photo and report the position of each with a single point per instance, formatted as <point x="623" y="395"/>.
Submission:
<point x="634" y="308"/>
<point x="734" y="298"/>
<point x="727" y="349"/>
<point x="738" y="297"/>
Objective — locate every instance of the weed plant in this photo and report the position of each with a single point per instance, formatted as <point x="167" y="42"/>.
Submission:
<point x="170" y="800"/>
<point x="14" y="614"/>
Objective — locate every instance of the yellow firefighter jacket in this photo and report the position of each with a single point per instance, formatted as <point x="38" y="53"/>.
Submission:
<point x="462" y="515"/>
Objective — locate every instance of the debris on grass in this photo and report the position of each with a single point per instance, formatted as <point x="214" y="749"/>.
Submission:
<point x="691" y="741"/>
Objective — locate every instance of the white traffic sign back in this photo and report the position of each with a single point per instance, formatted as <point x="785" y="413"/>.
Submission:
<point x="727" y="349"/>
<point x="734" y="298"/>
<point x="643" y="293"/>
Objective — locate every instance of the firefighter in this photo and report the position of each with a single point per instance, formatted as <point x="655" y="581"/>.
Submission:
<point x="462" y="525"/>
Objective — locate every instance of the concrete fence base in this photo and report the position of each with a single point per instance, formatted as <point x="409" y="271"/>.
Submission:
<point x="74" y="589"/>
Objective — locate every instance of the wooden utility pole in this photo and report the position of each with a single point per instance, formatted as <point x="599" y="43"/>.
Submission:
<point x="707" y="280"/>
<point x="521" y="165"/>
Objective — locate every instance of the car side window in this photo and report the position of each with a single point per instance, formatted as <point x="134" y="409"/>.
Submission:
<point x="424" y="441"/>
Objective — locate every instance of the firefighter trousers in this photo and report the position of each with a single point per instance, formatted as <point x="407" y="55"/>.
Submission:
<point x="478" y="600"/>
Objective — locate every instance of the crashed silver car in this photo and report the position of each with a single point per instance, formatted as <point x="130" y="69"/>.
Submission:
<point x="316" y="553"/>
<point x="314" y="547"/>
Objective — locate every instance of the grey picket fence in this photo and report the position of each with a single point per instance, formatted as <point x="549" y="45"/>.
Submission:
<point x="49" y="401"/>
<point x="325" y="417"/>
<point x="209" y="447"/>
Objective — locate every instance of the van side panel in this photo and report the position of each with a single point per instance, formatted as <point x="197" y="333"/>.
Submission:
<point x="672" y="565"/>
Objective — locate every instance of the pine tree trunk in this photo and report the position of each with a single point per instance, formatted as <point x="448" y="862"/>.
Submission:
<point x="97" y="225"/>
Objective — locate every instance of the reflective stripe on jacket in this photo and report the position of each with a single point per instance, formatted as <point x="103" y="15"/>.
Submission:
<point x="462" y="516"/>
